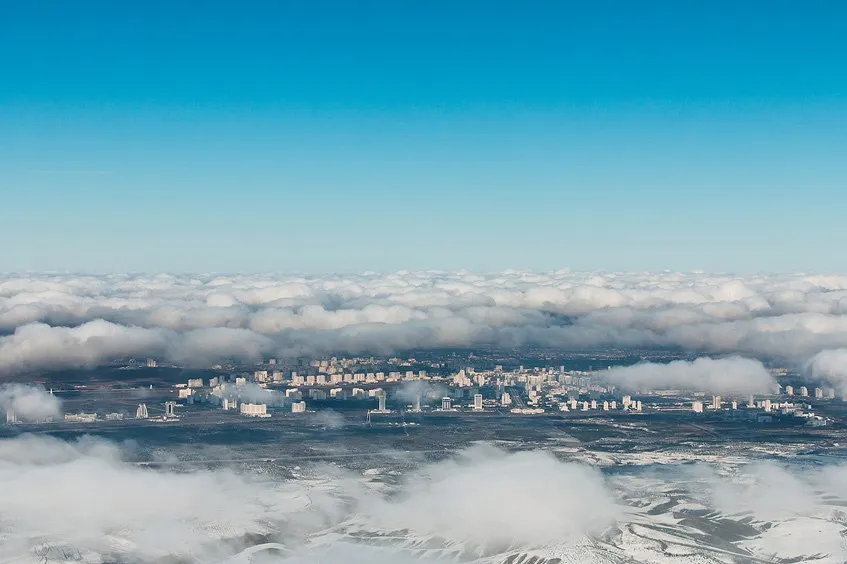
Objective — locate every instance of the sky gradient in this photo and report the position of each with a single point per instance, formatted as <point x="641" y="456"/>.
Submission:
<point x="323" y="136"/>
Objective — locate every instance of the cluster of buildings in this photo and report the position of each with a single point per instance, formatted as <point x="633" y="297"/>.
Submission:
<point x="522" y="390"/>
<point x="767" y="410"/>
<point x="270" y="389"/>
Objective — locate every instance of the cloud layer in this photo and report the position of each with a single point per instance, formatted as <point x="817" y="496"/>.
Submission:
<point x="733" y="375"/>
<point x="84" y="500"/>
<point x="29" y="403"/>
<point x="57" y="321"/>
<point x="85" y="495"/>
<point x="830" y="366"/>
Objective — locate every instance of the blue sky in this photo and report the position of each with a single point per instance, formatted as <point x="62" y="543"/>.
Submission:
<point x="329" y="136"/>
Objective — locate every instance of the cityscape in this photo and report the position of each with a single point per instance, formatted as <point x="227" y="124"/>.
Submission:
<point x="478" y="415"/>
<point x="333" y="384"/>
<point x="423" y="282"/>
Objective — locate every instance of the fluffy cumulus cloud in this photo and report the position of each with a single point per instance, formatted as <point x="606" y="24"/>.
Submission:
<point x="483" y="504"/>
<point x="734" y="375"/>
<point x="28" y="403"/>
<point x="830" y="366"/>
<point x="63" y="320"/>
<point x="59" y="498"/>
<point x="460" y="500"/>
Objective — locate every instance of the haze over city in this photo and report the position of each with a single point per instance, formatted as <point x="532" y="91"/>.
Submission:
<point x="396" y="282"/>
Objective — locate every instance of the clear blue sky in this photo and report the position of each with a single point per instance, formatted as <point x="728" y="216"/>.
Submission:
<point x="333" y="136"/>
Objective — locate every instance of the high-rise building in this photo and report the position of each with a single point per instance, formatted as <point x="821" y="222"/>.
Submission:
<point x="697" y="407"/>
<point x="716" y="402"/>
<point x="298" y="407"/>
<point x="151" y="363"/>
<point x="477" y="401"/>
<point x="141" y="412"/>
<point x="446" y="404"/>
<point x="818" y="393"/>
<point x="804" y="391"/>
<point x="170" y="409"/>
<point x="789" y="390"/>
<point x="381" y="399"/>
<point x="11" y="416"/>
<point x="506" y="399"/>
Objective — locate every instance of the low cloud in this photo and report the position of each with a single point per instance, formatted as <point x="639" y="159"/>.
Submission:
<point x="59" y="499"/>
<point x="830" y="366"/>
<point x="29" y="403"/>
<point x="249" y="393"/>
<point x="732" y="375"/>
<point x="62" y="494"/>
<point x="328" y="419"/>
<point x="461" y="500"/>
<point x="56" y="321"/>
<point x="410" y="390"/>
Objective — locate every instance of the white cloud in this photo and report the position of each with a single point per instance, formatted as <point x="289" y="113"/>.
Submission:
<point x="830" y="366"/>
<point x="732" y="375"/>
<point x="63" y="320"/>
<point x="86" y="496"/>
<point x="461" y="500"/>
<point x="29" y="403"/>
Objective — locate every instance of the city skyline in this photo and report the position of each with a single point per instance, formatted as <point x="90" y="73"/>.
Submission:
<point x="321" y="138"/>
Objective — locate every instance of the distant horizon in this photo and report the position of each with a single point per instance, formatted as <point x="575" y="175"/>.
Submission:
<point x="370" y="271"/>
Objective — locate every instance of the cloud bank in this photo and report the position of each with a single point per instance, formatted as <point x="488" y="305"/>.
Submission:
<point x="64" y="320"/>
<point x="830" y="366"/>
<point x="732" y="375"/>
<point x="460" y="500"/>
<point x="29" y="403"/>
<point x="84" y="500"/>
<point x="86" y="497"/>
